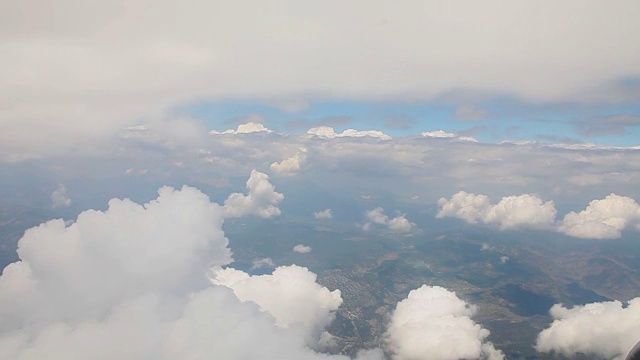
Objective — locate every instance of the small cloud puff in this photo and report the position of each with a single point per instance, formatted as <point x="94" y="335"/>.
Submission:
<point x="377" y="216"/>
<point x="59" y="197"/>
<point x="262" y="263"/>
<point x="328" y="132"/>
<point x="290" y="166"/>
<point x="302" y="249"/>
<point x="324" y="214"/>
<point x="250" y="127"/>
<point x="443" y="322"/>
<point x="262" y="199"/>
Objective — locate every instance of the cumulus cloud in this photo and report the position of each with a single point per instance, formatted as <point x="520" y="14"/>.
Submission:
<point x="607" y="329"/>
<point x="522" y="211"/>
<point x="262" y="199"/>
<point x="131" y="282"/>
<point x="328" y="132"/>
<point x="290" y="166"/>
<point x="324" y="214"/>
<point x="466" y="206"/>
<point x="250" y="127"/>
<point x="377" y="216"/>
<point x="291" y="295"/>
<point x="433" y="323"/>
<point x="603" y="219"/>
<point x="302" y="249"/>
<point x="59" y="197"/>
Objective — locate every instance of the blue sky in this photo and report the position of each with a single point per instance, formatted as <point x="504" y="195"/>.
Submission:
<point x="499" y="119"/>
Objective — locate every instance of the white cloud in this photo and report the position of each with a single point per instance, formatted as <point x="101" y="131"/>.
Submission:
<point x="291" y="294"/>
<point x="606" y="329"/>
<point x="59" y="197"/>
<point x="328" y="132"/>
<point x="466" y="206"/>
<point x="131" y="282"/>
<point x="250" y="127"/>
<point x="377" y="216"/>
<point x="262" y="199"/>
<point x="433" y="323"/>
<point x="290" y="166"/>
<point x="438" y="134"/>
<point x="324" y="214"/>
<point x="602" y="219"/>
<point x="302" y="249"/>
<point x="522" y="211"/>
<point x="447" y="135"/>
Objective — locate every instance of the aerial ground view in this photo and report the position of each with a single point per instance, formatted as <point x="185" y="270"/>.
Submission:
<point x="306" y="180"/>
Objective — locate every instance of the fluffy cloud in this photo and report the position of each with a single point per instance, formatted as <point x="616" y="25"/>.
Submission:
<point x="290" y="166"/>
<point x="324" y="214"/>
<point x="131" y="282"/>
<point x="327" y="132"/>
<point x="88" y="266"/>
<point x="603" y="219"/>
<point x="433" y="323"/>
<point x="262" y="199"/>
<point x="522" y="211"/>
<point x="302" y="249"/>
<point x="290" y="294"/>
<point x="59" y="197"/>
<point x="466" y="206"/>
<point x="606" y="329"/>
<point x="250" y="127"/>
<point x="377" y="216"/>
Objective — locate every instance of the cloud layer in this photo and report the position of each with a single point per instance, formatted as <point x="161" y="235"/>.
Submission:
<point x="115" y="64"/>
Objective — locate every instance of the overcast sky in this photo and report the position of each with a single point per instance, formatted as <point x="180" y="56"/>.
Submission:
<point x="75" y="73"/>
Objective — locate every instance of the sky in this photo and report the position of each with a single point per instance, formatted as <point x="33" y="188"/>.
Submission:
<point x="505" y="115"/>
